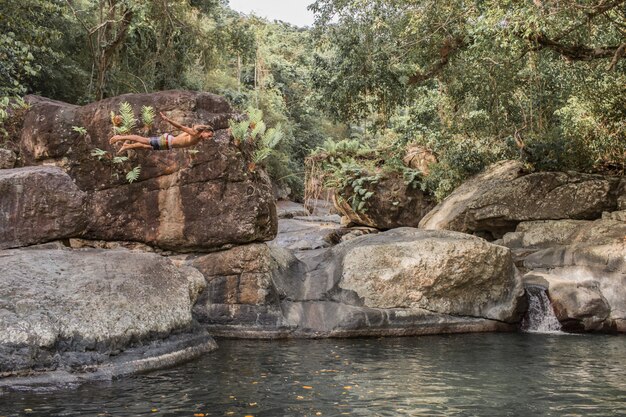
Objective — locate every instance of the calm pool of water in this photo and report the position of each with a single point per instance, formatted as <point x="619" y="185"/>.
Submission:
<point x="455" y="375"/>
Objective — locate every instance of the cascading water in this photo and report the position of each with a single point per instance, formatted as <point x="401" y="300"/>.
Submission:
<point x="540" y="316"/>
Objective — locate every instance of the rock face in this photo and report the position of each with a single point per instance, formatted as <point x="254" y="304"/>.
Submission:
<point x="72" y="309"/>
<point x="445" y="272"/>
<point x="7" y="159"/>
<point x="181" y="200"/>
<point x="39" y="204"/>
<point x="400" y="282"/>
<point x="392" y="204"/>
<point x="495" y="201"/>
<point x="581" y="263"/>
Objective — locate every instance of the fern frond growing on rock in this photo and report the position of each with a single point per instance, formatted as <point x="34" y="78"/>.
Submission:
<point x="128" y="118"/>
<point x="147" y="115"/>
<point x="133" y="174"/>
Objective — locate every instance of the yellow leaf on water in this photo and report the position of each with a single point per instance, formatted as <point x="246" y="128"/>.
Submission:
<point x="319" y="413"/>
<point x="254" y="383"/>
<point x="347" y="387"/>
<point x="154" y="410"/>
<point x="307" y="387"/>
<point x="299" y="397"/>
<point x="252" y="404"/>
<point x="198" y="415"/>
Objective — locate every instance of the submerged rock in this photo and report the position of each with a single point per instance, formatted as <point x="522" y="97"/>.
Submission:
<point x="497" y="200"/>
<point x="93" y="310"/>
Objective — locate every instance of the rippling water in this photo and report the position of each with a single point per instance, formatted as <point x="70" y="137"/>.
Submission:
<point x="455" y="375"/>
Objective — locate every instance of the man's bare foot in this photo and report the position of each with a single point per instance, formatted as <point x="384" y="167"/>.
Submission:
<point x="122" y="149"/>
<point x="115" y="139"/>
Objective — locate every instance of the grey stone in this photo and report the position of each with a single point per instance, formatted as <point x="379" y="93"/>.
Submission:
<point x="63" y="309"/>
<point x="8" y="159"/>
<point x="495" y="201"/>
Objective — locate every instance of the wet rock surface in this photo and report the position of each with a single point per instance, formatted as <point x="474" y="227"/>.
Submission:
<point x="582" y="266"/>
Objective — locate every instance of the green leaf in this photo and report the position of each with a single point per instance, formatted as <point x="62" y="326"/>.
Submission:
<point x="133" y="175"/>
<point x="79" y="129"/>
<point x="148" y="115"/>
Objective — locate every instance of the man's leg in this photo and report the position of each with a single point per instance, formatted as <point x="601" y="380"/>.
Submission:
<point x="134" y="138"/>
<point x="128" y="146"/>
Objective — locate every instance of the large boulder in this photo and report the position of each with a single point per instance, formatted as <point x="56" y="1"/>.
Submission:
<point x="495" y="201"/>
<point x="39" y="204"/>
<point x="391" y="203"/>
<point x="181" y="200"/>
<point x="400" y="282"/>
<point x="582" y="266"/>
<point x="72" y="310"/>
<point x="443" y="272"/>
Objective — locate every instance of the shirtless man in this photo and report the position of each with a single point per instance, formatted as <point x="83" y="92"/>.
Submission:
<point x="189" y="137"/>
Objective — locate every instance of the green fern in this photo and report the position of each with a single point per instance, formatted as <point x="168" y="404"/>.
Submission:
<point x="80" y="130"/>
<point x="272" y="137"/>
<point x="133" y="174"/>
<point x="120" y="159"/>
<point x="128" y="118"/>
<point x="239" y="130"/>
<point x="255" y="116"/>
<point x="148" y="115"/>
<point x="258" y="131"/>
<point x="99" y="153"/>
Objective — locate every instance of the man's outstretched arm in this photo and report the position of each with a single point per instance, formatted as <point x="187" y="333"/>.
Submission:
<point x="178" y="125"/>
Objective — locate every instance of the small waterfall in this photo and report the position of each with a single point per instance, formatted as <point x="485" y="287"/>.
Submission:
<point x="540" y="316"/>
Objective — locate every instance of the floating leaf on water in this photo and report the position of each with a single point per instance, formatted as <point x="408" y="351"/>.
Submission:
<point x="155" y="410"/>
<point x="299" y="397"/>
<point x="198" y="415"/>
<point x="347" y="387"/>
<point x="307" y="387"/>
<point x="252" y="404"/>
<point x="319" y="413"/>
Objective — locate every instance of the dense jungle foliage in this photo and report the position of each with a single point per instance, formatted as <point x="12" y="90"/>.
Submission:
<point x="472" y="81"/>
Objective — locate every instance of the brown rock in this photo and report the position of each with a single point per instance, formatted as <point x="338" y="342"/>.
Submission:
<point x="182" y="201"/>
<point x="495" y="201"/>
<point x="39" y="204"/>
<point x="420" y="158"/>
<point x="392" y="204"/>
<point x="7" y="159"/>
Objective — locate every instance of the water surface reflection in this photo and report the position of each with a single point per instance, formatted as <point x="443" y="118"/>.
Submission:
<point x="453" y="375"/>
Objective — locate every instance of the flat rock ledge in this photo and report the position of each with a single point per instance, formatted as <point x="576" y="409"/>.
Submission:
<point x="157" y="355"/>
<point x="71" y="315"/>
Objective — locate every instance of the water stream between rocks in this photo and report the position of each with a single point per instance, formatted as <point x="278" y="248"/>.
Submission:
<point x="521" y="374"/>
